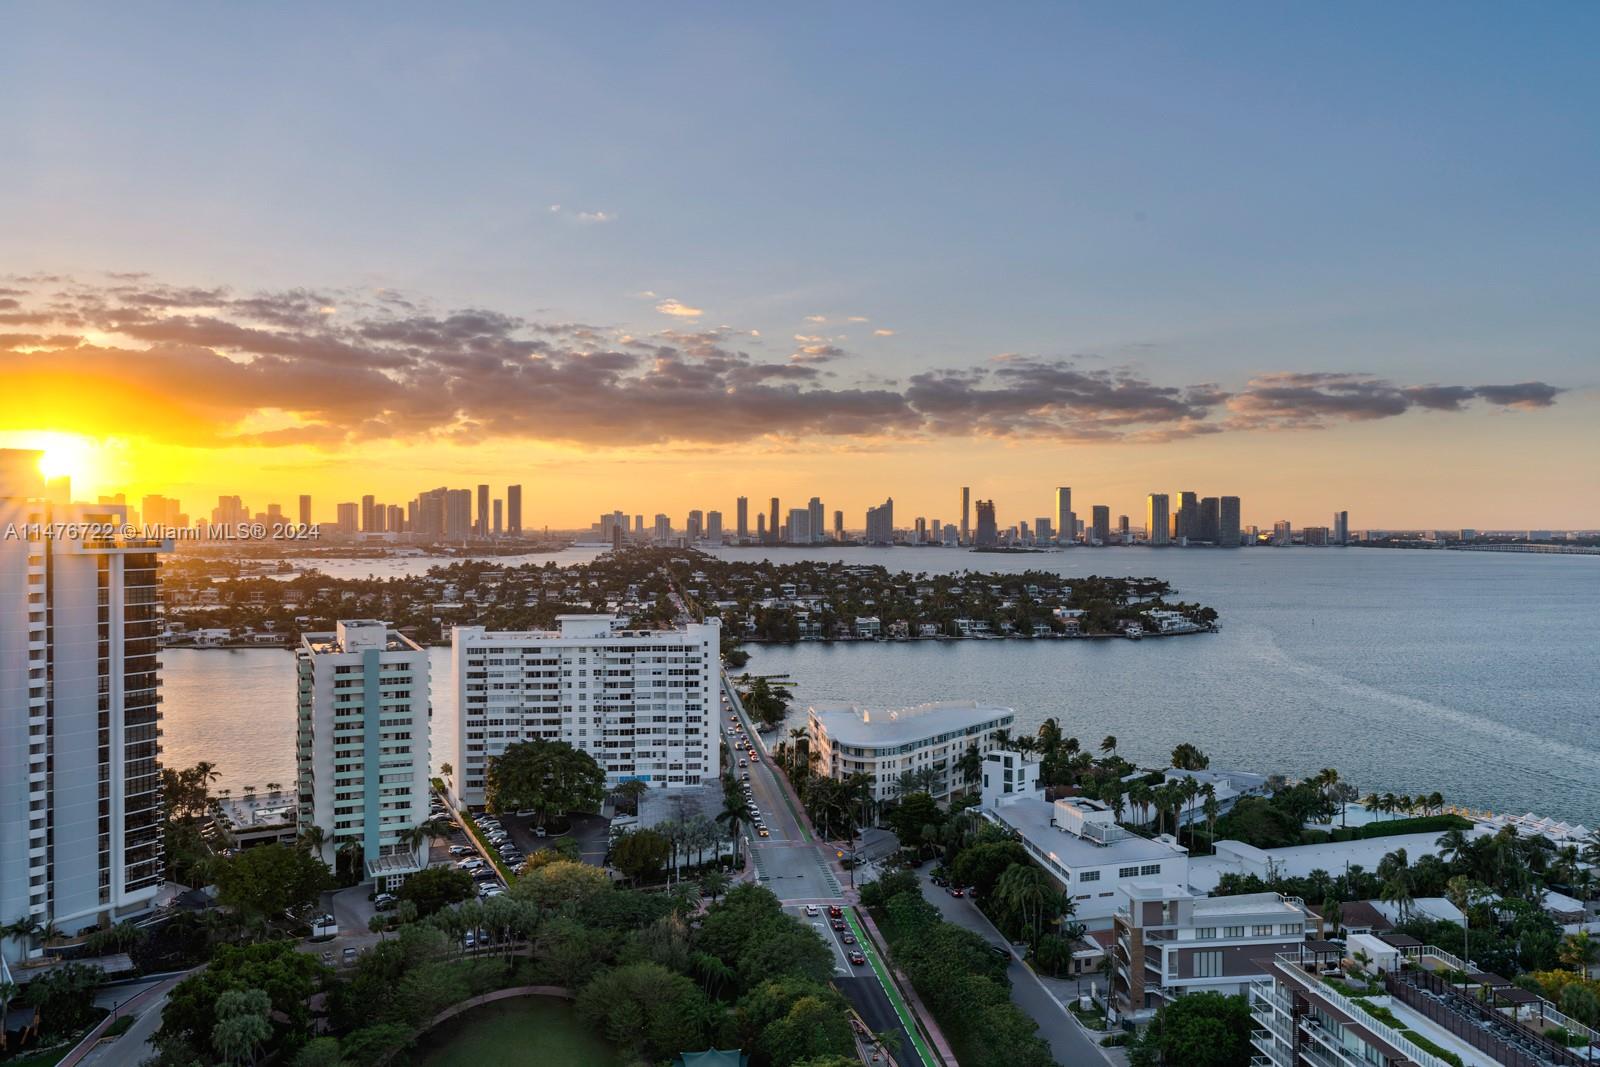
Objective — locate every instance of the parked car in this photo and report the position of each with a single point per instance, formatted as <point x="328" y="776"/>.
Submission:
<point x="957" y="891"/>
<point x="384" y="902"/>
<point x="460" y="850"/>
<point x="349" y="955"/>
<point x="539" y="831"/>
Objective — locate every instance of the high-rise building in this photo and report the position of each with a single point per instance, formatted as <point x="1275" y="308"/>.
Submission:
<point x="693" y="528"/>
<point x="80" y="775"/>
<point x="362" y="744"/>
<point x="1282" y="533"/>
<point x="1341" y="528"/>
<point x="761" y="528"/>
<point x="1228" y="522"/>
<point x="1209" y="519"/>
<point x="349" y="517"/>
<point x="799" y="529"/>
<point x="742" y="521"/>
<point x="987" y="534"/>
<point x="368" y="505"/>
<point x="1186" y="521"/>
<point x="838" y="525"/>
<point x="773" y="524"/>
<point x="482" y="525"/>
<point x="305" y="509"/>
<point x="1157" y="523"/>
<point x="641" y="702"/>
<point x="457" y="514"/>
<point x="396" y="521"/>
<point x="499" y="517"/>
<point x="514" y="510"/>
<point x="816" y="519"/>
<point x="431" y="508"/>
<point x="1101" y="515"/>
<point x="966" y="514"/>
<point x="1066" y="521"/>
<point x="1122" y="530"/>
<point x="663" y="528"/>
<point x="714" y="527"/>
<point x="1044" y="529"/>
<point x="880" y="523"/>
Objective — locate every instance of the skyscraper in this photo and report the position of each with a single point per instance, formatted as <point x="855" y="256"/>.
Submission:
<point x="1122" y="530"/>
<point x="348" y="518"/>
<point x="799" y="526"/>
<point x="483" y="511"/>
<point x="368" y="504"/>
<point x="457" y="514"/>
<point x="1228" y="522"/>
<point x="1066" y="520"/>
<point x="305" y="509"/>
<point x="1186" y="521"/>
<point x="742" y="524"/>
<point x="362" y="743"/>
<point x="499" y="517"/>
<point x="1157" y="522"/>
<point x="514" y="510"/>
<point x="838" y="526"/>
<point x="880" y="523"/>
<point x="966" y="513"/>
<point x="816" y="518"/>
<point x="396" y="520"/>
<point x="714" y="527"/>
<point x="1102" y="524"/>
<point x="1208" y="520"/>
<point x="692" y="529"/>
<point x="761" y="528"/>
<point x="1341" y="527"/>
<point x="987" y="534"/>
<point x="773" y="534"/>
<point x="80" y="774"/>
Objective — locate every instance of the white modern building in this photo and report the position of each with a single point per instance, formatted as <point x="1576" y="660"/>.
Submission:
<point x="80" y="774"/>
<point x="641" y="702"/>
<point x="1076" y="840"/>
<point x="927" y="740"/>
<point x="363" y="753"/>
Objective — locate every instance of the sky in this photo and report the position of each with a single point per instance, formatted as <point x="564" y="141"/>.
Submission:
<point x="652" y="257"/>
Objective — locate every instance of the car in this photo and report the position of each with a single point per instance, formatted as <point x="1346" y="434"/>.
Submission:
<point x="812" y="909"/>
<point x="839" y="924"/>
<point x="460" y="850"/>
<point x="957" y="891"/>
<point x="763" y="832"/>
<point x="489" y="892"/>
<point x="835" y="912"/>
<point x="753" y="758"/>
<point x="539" y="831"/>
<point x="743" y="763"/>
<point x="512" y="856"/>
<point x="349" y="955"/>
<point x="484" y="874"/>
<point x="858" y="958"/>
<point x="469" y="864"/>
<point x="848" y="939"/>
<point x="469" y="940"/>
<point x="327" y="958"/>
<point x="384" y="902"/>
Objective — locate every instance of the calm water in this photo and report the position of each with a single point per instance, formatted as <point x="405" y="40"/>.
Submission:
<point x="1472" y="673"/>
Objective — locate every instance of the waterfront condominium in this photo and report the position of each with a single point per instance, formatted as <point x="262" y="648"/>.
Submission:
<point x="80" y="777"/>
<point x="1157" y="522"/>
<point x="363" y="744"/>
<point x="919" y="747"/>
<point x="641" y="702"/>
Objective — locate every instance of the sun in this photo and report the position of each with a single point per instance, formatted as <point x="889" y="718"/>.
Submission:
<point x="67" y="455"/>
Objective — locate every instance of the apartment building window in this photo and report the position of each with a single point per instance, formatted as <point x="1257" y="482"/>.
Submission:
<point x="1233" y="931"/>
<point x="1208" y="964"/>
<point x="1127" y="872"/>
<point x="1261" y="930"/>
<point x="1089" y="876"/>
<point x="1149" y="869"/>
<point x="1291" y="928"/>
<point x="1205" y="933"/>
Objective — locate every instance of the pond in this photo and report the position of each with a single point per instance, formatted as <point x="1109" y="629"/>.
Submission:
<point x="522" y="1030"/>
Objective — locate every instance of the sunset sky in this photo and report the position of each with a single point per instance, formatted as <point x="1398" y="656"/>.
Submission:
<point x="652" y="257"/>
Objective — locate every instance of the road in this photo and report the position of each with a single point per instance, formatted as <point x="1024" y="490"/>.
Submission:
<point x="1069" y="1043"/>
<point x="133" y="1047"/>
<point x="791" y="863"/>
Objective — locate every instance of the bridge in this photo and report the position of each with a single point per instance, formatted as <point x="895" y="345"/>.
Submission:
<point x="1547" y="550"/>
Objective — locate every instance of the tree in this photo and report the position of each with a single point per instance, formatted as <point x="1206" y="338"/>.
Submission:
<point x="271" y="879"/>
<point x="435" y="887"/>
<point x="646" y="1009"/>
<point x="287" y="976"/>
<point x="1204" y="1029"/>
<point x="545" y="776"/>
<point x="556" y="886"/>
<point x="1188" y="757"/>
<point x="631" y="791"/>
<point x="1109" y="744"/>
<point x="981" y="865"/>
<point x="640" y="854"/>
<point x="911" y="816"/>
<point x="242" y="1026"/>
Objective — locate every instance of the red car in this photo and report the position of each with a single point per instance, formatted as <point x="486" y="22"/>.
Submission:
<point x="957" y="891"/>
<point x="839" y="924"/>
<point x="857" y="958"/>
<point x="835" y="912"/>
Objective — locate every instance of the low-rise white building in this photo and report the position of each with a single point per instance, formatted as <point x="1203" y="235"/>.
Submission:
<point x="1077" y="840"/>
<point x="363" y="754"/>
<point x="641" y="702"/>
<point x="928" y="740"/>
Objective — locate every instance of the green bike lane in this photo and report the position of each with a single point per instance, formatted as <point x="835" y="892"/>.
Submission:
<point x="907" y="1021"/>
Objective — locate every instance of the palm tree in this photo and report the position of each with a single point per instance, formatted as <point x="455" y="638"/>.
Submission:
<point x="735" y="813"/>
<point x="1459" y="891"/>
<point x="1109" y="745"/>
<point x="1397" y="891"/>
<point x="1211" y="809"/>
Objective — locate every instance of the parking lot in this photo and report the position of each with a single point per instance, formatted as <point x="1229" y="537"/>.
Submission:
<point x="591" y="832"/>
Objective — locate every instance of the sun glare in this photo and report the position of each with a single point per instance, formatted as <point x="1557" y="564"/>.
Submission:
<point x="65" y="455"/>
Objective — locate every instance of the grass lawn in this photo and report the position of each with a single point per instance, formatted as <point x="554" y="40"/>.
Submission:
<point x="523" y="1030"/>
<point x="48" y="1058"/>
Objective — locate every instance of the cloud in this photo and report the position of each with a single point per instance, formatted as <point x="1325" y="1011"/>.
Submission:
<point x="856" y="318"/>
<point x="682" y="311"/>
<point x="882" y="333"/>
<point x="587" y="217"/>
<point x="816" y="318"/>
<point x="214" y="367"/>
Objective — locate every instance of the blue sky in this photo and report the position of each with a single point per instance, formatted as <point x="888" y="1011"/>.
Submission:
<point x="1203" y="192"/>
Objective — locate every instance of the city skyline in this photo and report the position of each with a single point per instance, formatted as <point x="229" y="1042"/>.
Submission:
<point x="1314" y="306"/>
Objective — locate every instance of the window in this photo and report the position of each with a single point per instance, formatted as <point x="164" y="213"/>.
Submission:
<point x="1208" y="964"/>
<point x="1261" y="930"/>
<point x="1149" y="869"/>
<point x="1291" y="928"/>
<point x="1089" y="876"/>
<point x="1205" y="933"/>
<point x="1233" y="931"/>
<point x="1127" y="872"/>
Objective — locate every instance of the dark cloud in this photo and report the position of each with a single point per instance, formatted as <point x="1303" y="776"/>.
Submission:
<point x="352" y="365"/>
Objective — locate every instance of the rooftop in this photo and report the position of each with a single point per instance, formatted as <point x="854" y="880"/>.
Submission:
<point x="857" y="725"/>
<point x="1031" y="816"/>
<point x="357" y="635"/>
<point x="1297" y="861"/>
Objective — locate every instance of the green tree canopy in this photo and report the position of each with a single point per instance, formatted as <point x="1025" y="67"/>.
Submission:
<point x="546" y="777"/>
<point x="434" y="888"/>
<point x="270" y="879"/>
<point x="1198" y="1030"/>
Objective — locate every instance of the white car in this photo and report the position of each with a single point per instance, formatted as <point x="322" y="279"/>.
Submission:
<point x="812" y="909"/>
